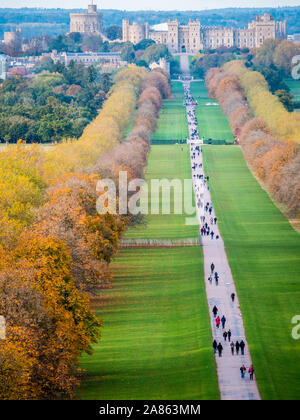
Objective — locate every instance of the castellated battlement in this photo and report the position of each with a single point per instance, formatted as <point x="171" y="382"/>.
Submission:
<point x="193" y="37"/>
<point x="89" y="22"/>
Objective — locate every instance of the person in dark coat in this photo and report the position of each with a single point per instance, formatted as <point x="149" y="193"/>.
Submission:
<point x="216" y="278"/>
<point x="220" y="349"/>
<point x="243" y="371"/>
<point x="237" y="347"/>
<point x="225" y="335"/>
<point x="212" y="267"/>
<point x="232" y="348"/>
<point x="229" y="335"/>
<point x="223" y="320"/>
<point x="215" y="311"/>
<point x="251" y="371"/>
<point x="242" y="346"/>
<point x="232" y="296"/>
<point x="215" y="345"/>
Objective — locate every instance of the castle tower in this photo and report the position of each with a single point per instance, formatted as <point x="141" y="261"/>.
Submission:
<point x="87" y="23"/>
<point x="134" y="33"/>
<point x="173" y="35"/>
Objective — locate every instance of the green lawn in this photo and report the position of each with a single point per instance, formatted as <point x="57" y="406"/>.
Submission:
<point x="212" y="123"/>
<point x="172" y="123"/>
<point x="177" y="93"/>
<point x="294" y="86"/>
<point x="156" y="339"/>
<point x="264" y="255"/>
<point x="169" y="162"/>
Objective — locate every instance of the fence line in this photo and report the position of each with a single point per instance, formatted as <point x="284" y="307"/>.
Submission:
<point x="158" y="243"/>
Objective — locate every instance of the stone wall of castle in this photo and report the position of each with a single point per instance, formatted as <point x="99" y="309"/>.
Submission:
<point x="87" y="23"/>
<point x="193" y="37"/>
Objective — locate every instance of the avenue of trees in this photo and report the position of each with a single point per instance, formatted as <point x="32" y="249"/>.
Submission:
<point x="267" y="132"/>
<point x="273" y="59"/>
<point x="266" y="105"/>
<point x="55" y="248"/>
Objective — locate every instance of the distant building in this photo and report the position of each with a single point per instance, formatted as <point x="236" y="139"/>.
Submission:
<point x="193" y="37"/>
<point x="89" y="58"/>
<point x="161" y="64"/>
<point x="294" y="38"/>
<point x="3" y="66"/>
<point x="87" y="23"/>
<point x="13" y="37"/>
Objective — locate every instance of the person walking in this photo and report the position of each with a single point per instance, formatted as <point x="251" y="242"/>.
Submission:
<point x="242" y="347"/>
<point x="218" y="321"/>
<point x="232" y="348"/>
<point x="212" y="267"/>
<point x="251" y="371"/>
<point x="237" y="347"/>
<point x="216" y="278"/>
<point x="243" y="371"/>
<point x="232" y="297"/>
<point x="223" y="320"/>
<point x="215" y="345"/>
<point x="225" y="335"/>
<point x="229" y="334"/>
<point x="215" y="311"/>
<point x="210" y="279"/>
<point x="220" y="349"/>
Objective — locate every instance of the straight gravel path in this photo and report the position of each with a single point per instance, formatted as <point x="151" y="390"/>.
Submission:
<point x="232" y="386"/>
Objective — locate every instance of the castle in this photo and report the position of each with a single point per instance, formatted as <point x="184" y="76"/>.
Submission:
<point x="87" y="23"/>
<point x="188" y="38"/>
<point x="193" y="37"/>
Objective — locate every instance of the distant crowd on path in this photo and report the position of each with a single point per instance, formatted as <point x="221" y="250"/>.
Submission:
<point x="209" y="221"/>
<point x="191" y="116"/>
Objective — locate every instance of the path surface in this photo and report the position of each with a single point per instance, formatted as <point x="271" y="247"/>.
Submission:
<point x="185" y="64"/>
<point x="232" y="386"/>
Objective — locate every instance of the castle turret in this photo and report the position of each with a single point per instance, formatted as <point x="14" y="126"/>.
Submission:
<point x="87" y="23"/>
<point x="92" y="8"/>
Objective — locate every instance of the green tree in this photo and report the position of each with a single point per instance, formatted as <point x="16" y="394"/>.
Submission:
<point x="286" y="99"/>
<point x="114" y="32"/>
<point x="127" y="52"/>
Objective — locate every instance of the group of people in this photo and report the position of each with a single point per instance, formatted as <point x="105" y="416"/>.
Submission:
<point x="234" y="347"/>
<point x="192" y="119"/>
<point x="208" y="224"/>
<point x="243" y="370"/>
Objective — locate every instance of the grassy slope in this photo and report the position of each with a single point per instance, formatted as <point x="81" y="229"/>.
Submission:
<point x="169" y="162"/>
<point x="172" y="123"/>
<point x="212" y="122"/>
<point x="264" y="255"/>
<point x="294" y="85"/>
<point x="156" y="341"/>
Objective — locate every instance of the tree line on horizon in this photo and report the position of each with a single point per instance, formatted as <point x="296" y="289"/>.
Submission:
<point x="37" y="22"/>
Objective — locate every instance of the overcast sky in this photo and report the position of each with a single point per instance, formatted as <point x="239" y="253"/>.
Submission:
<point x="147" y="5"/>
